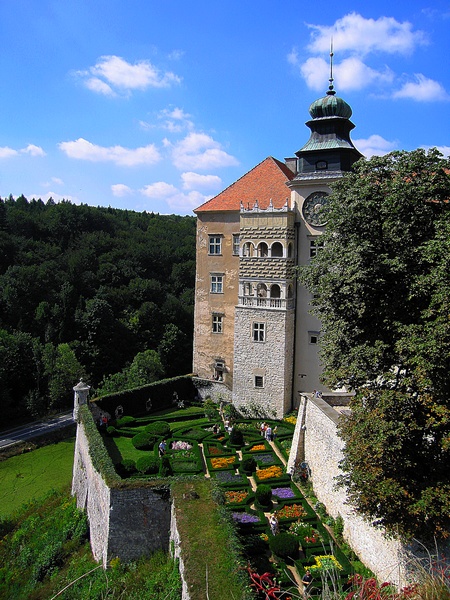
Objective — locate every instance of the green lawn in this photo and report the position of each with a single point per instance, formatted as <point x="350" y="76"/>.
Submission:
<point x="31" y="475"/>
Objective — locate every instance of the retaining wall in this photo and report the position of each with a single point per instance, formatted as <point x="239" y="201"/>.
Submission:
<point x="123" y="522"/>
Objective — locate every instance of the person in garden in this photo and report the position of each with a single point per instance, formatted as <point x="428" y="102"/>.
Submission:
<point x="269" y="435"/>
<point x="273" y="522"/>
<point x="307" y="579"/>
<point x="162" y="448"/>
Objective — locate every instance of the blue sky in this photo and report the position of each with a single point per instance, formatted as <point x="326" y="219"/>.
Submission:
<point x="159" y="105"/>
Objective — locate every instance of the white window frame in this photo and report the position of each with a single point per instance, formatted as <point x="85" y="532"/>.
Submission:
<point x="215" y="245"/>
<point x="236" y="242"/>
<point x="216" y="283"/>
<point x="217" y="323"/>
<point x="259" y="331"/>
<point x="315" y="246"/>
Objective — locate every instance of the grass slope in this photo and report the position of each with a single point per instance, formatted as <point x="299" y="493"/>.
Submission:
<point x="32" y="475"/>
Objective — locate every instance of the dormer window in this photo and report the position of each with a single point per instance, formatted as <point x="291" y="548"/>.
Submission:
<point x="321" y="165"/>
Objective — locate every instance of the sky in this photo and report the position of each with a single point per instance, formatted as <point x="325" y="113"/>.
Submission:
<point x="158" y="105"/>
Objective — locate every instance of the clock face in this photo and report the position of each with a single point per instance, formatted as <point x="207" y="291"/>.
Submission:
<point x="313" y="209"/>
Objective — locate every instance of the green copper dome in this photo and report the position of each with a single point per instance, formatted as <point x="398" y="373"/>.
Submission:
<point x="330" y="106"/>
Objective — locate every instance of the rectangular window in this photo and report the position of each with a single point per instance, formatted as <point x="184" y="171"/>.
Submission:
<point x="314" y="247"/>
<point x="217" y="324"/>
<point x="259" y="332"/>
<point x="216" y="284"/>
<point x="313" y="337"/>
<point x="259" y="381"/>
<point x="215" y="244"/>
<point x="235" y="244"/>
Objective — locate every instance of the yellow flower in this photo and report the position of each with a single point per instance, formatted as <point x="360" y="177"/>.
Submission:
<point x="269" y="473"/>
<point x="222" y="462"/>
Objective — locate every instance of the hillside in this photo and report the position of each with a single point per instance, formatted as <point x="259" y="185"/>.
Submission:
<point x="83" y="290"/>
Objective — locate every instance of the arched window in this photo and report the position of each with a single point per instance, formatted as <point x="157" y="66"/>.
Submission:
<point x="290" y="248"/>
<point x="261" y="290"/>
<point x="247" y="249"/>
<point x="276" y="250"/>
<point x="248" y="289"/>
<point x="263" y="250"/>
<point x="275" y="291"/>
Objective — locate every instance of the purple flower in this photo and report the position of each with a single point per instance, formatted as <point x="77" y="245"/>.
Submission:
<point x="229" y="477"/>
<point x="283" y="492"/>
<point x="243" y="517"/>
<point x="265" y="459"/>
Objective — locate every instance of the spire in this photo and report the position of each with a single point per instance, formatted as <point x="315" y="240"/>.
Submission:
<point x="331" y="91"/>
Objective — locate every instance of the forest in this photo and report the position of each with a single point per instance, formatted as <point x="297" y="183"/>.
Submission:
<point x="100" y="293"/>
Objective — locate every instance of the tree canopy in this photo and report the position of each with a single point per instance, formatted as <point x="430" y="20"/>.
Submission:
<point x="381" y="288"/>
<point x="84" y="290"/>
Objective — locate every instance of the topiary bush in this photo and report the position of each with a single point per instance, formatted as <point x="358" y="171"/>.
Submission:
<point x="148" y="465"/>
<point x="248" y="464"/>
<point x="284" y="545"/>
<point x="236" y="437"/>
<point x="158" y="428"/>
<point x="112" y="431"/>
<point x="143" y="441"/>
<point x="263" y="495"/>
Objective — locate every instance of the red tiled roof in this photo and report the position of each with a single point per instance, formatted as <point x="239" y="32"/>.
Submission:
<point x="264" y="182"/>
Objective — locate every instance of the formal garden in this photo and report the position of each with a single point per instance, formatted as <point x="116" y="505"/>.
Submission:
<point x="249" y="478"/>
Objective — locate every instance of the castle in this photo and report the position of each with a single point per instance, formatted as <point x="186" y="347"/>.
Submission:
<point x="253" y="333"/>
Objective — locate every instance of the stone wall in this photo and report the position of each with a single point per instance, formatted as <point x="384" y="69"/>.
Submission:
<point x="128" y="522"/>
<point x="317" y="443"/>
<point x="271" y="360"/>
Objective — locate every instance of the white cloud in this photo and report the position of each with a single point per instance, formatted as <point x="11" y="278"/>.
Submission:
<point x="54" y="180"/>
<point x="354" y="33"/>
<point x="375" y="145"/>
<point x="193" y="181"/>
<point x="200" y="151"/>
<point x="445" y="150"/>
<point x="351" y="73"/>
<point x="120" y="190"/>
<point x="100" y="87"/>
<point x="185" y="203"/>
<point x="159" y="190"/>
<point x="84" y="150"/>
<point x="422" y="89"/>
<point x="6" y="152"/>
<point x="112" y="73"/>
<point x="33" y="150"/>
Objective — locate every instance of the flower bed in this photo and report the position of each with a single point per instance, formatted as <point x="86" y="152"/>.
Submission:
<point x="284" y="493"/>
<point x="185" y="466"/>
<point x="222" y="462"/>
<point x="258" y="448"/>
<point x="266" y="459"/>
<point x="236" y="496"/>
<point x="244" y="518"/>
<point x="269" y="473"/>
<point x="230" y="477"/>
<point x="217" y="450"/>
<point x="325" y="564"/>
<point x="180" y="445"/>
<point x="290" y="512"/>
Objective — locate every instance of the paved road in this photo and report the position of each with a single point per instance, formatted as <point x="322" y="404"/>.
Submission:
<point x="32" y="430"/>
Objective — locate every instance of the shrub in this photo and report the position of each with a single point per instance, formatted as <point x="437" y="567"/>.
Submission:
<point x="147" y="464"/>
<point x="164" y="466"/>
<point x="211" y="411"/>
<point x="263" y="495"/>
<point x="283" y="545"/>
<point x="112" y="431"/>
<point x="236" y="437"/>
<point x="128" y="466"/>
<point x="158" y="428"/>
<point x="143" y="441"/>
<point x="248" y="464"/>
<point x="124" y="421"/>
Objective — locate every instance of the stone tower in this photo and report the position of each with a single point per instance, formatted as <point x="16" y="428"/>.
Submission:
<point x="264" y="315"/>
<point x="81" y="392"/>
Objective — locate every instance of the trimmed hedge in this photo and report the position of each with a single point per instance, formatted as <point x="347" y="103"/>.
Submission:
<point x="158" y="428"/>
<point x="248" y="464"/>
<point x="148" y="465"/>
<point x="144" y="441"/>
<point x="284" y="545"/>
